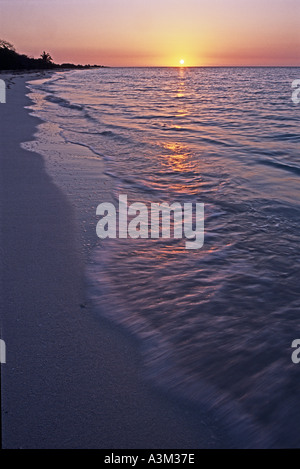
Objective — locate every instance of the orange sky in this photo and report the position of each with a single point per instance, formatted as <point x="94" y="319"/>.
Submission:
<point x="156" y="32"/>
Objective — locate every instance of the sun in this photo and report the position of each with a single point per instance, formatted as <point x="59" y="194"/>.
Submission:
<point x="181" y="62"/>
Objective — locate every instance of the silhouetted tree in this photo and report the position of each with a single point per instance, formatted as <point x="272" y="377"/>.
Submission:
<point x="6" y="45"/>
<point x="46" y="58"/>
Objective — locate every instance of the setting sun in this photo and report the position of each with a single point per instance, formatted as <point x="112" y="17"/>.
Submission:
<point x="181" y="62"/>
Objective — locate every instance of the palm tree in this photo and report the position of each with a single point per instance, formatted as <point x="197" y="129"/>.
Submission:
<point x="46" y="58"/>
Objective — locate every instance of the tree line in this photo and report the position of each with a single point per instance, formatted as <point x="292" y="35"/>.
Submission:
<point x="10" y="59"/>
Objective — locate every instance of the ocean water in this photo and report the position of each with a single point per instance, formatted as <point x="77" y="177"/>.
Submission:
<point x="215" y="324"/>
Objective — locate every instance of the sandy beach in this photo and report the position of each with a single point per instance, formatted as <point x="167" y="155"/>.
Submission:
<point x="72" y="379"/>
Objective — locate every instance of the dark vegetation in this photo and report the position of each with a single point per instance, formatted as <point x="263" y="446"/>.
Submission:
<point x="10" y="59"/>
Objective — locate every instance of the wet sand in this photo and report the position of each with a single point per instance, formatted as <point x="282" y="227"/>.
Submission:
<point x="72" y="379"/>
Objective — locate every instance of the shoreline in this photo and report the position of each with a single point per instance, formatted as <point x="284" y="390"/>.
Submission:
<point x="72" y="379"/>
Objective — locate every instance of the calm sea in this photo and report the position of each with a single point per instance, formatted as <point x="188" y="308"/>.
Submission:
<point x="216" y="324"/>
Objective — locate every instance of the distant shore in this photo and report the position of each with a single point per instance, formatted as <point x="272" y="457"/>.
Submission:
<point x="10" y="59"/>
<point x="72" y="379"/>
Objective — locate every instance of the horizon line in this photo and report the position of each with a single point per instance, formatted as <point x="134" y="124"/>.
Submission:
<point x="199" y="66"/>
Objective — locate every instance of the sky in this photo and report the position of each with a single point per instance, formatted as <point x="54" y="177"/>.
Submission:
<point x="156" y="32"/>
